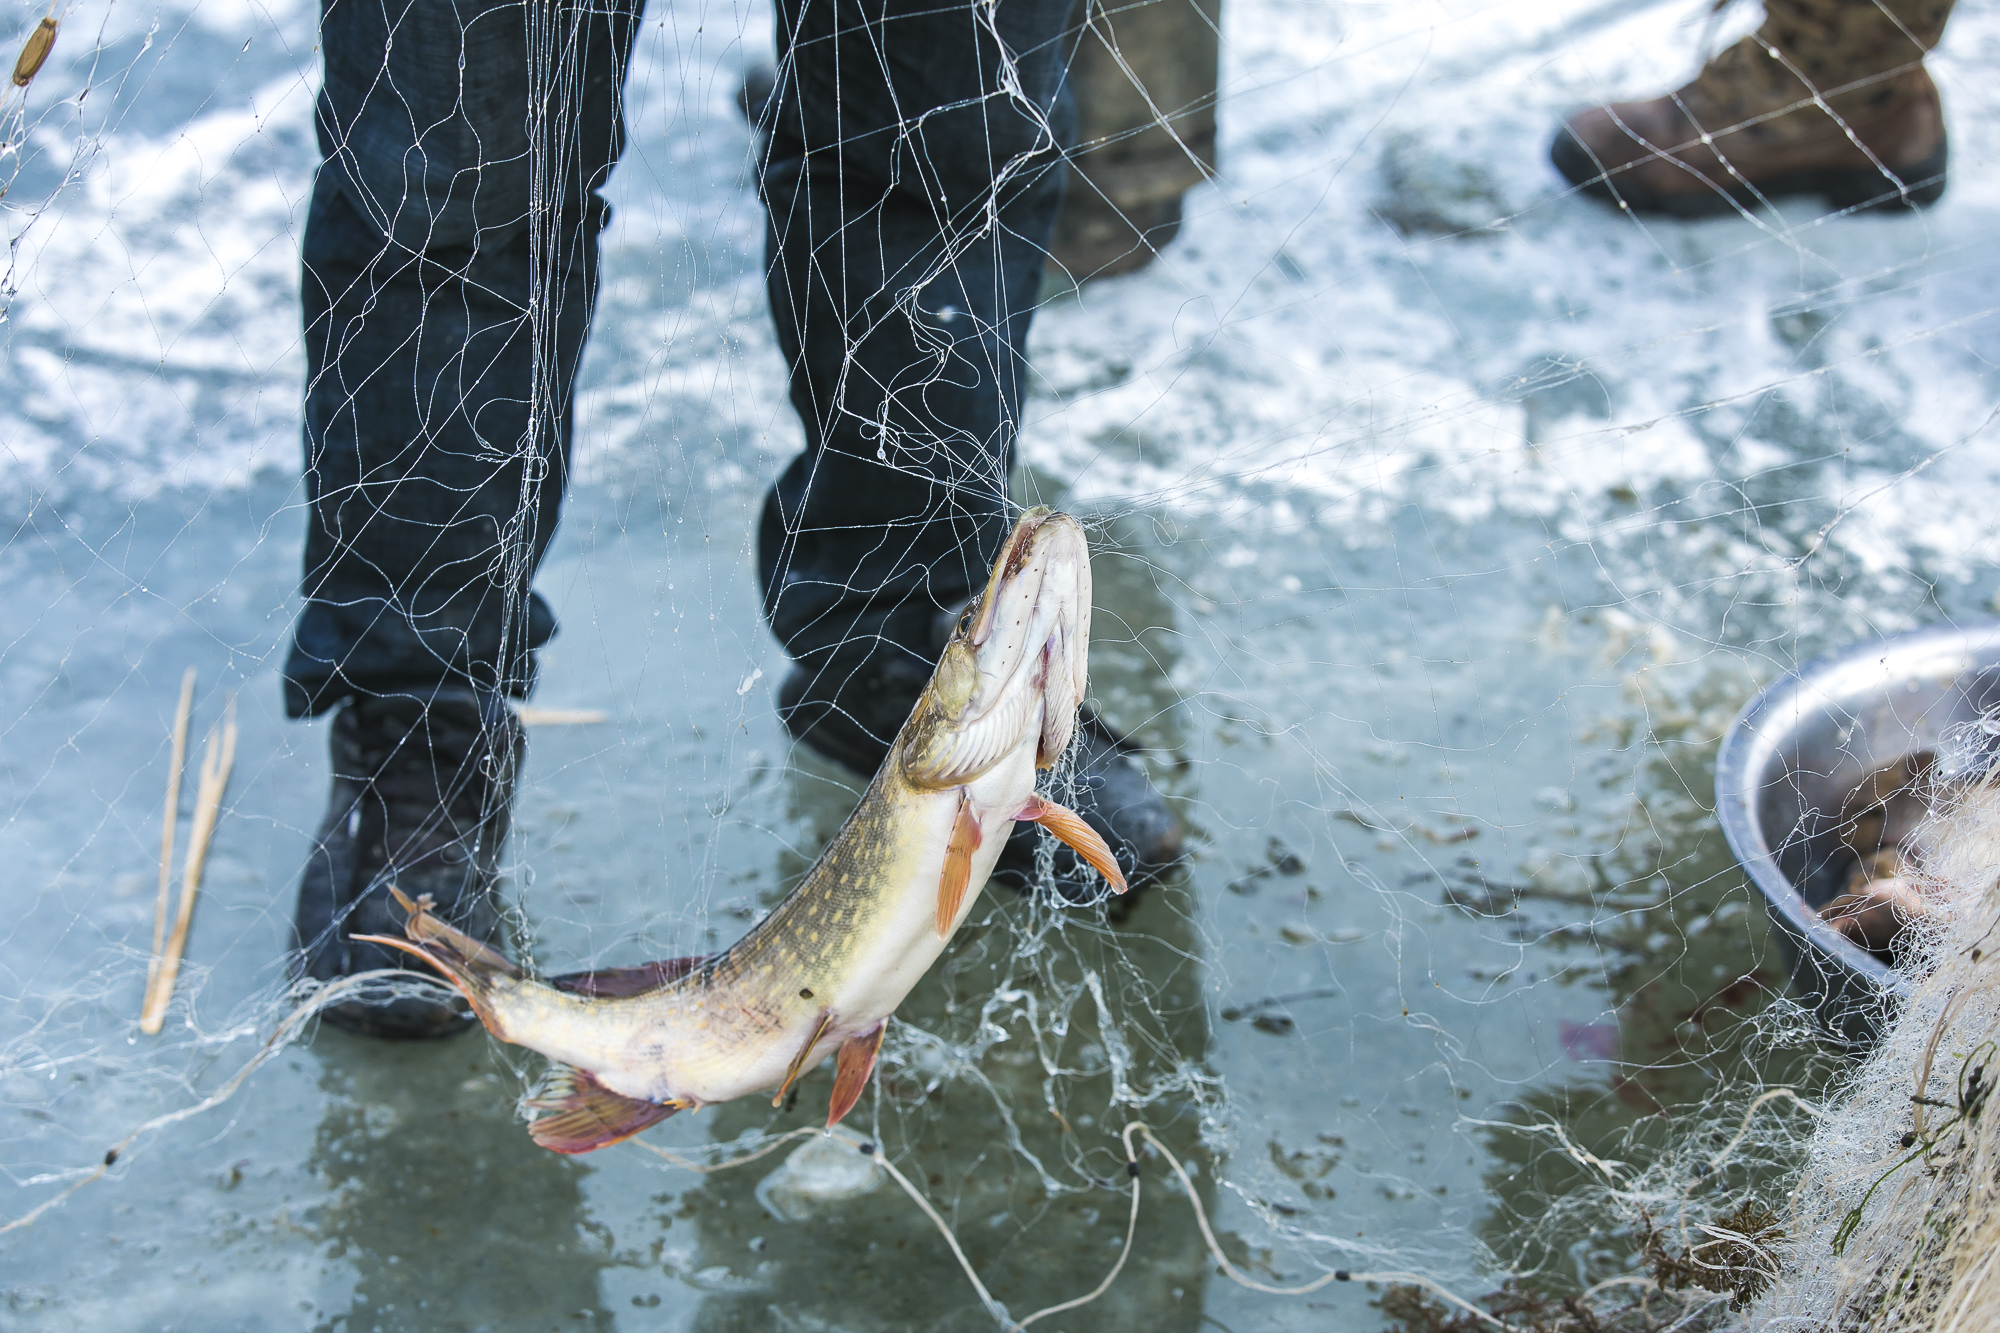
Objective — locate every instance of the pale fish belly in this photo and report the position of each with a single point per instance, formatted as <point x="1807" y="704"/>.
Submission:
<point x="906" y="943"/>
<point x="716" y="1045"/>
<point x="702" y="1052"/>
<point x="708" y="1048"/>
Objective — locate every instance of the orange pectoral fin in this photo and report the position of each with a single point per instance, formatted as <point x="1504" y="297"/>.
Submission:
<point x="1069" y="827"/>
<point x="856" y="1062"/>
<point x="957" y="877"/>
<point x="584" y="1115"/>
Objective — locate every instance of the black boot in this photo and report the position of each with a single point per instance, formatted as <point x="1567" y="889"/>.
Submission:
<point x="422" y="793"/>
<point x="850" y="711"/>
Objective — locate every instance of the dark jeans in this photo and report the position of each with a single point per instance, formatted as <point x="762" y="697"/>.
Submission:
<point x="912" y="176"/>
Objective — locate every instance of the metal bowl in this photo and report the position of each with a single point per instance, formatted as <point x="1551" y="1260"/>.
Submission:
<point x="1790" y="763"/>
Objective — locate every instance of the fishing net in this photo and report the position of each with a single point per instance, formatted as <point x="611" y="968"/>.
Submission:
<point x="1442" y="518"/>
<point x="1893" y="1215"/>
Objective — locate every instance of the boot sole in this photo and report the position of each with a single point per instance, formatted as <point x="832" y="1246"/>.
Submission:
<point x="1862" y="191"/>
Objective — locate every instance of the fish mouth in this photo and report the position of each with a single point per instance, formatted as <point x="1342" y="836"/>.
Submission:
<point x="1016" y="666"/>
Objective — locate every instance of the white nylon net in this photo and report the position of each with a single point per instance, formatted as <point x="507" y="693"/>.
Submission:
<point x="1442" y="519"/>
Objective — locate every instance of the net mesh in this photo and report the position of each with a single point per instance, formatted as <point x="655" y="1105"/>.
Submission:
<point x="1442" y="518"/>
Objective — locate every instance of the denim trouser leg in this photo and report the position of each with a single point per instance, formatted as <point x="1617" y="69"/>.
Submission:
<point x="432" y="495"/>
<point x="913" y="177"/>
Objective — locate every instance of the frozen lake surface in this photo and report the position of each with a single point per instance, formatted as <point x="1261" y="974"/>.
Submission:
<point x="1443" y="520"/>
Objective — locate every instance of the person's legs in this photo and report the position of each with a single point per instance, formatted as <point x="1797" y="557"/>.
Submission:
<point x="1142" y="74"/>
<point x="440" y="275"/>
<point x="913" y="175"/>
<point x="421" y="347"/>
<point x="911" y="195"/>
<point x="1827" y="97"/>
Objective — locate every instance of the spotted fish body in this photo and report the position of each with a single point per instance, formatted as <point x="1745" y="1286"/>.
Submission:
<point x="825" y="970"/>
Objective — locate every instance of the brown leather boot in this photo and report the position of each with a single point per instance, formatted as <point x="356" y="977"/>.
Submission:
<point x="1828" y="97"/>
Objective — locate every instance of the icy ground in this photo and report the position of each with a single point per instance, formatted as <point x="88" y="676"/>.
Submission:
<point x="1444" y="519"/>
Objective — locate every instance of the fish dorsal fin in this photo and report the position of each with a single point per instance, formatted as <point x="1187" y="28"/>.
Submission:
<point x="854" y="1064"/>
<point x="957" y="876"/>
<point x="582" y="1115"/>
<point x="1070" y="828"/>
<point x="610" y="983"/>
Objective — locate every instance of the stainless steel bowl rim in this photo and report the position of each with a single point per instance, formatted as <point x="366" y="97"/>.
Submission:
<point x="1746" y="747"/>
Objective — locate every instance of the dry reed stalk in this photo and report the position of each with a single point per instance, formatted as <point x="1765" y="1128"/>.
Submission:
<point x="218" y="756"/>
<point x="173" y="817"/>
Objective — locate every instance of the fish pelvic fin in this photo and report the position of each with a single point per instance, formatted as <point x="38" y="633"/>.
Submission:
<point x="957" y="876"/>
<point x="798" y="1065"/>
<point x="1069" y="827"/>
<point x="854" y="1064"/>
<point x="582" y="1115"/>
<point x="469" y="965"/>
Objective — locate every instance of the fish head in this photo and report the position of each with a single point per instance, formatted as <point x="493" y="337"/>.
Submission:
<point x="1017" y="664"/>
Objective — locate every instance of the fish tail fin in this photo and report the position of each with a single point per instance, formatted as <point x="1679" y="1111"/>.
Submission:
<point x="469" y="965"/>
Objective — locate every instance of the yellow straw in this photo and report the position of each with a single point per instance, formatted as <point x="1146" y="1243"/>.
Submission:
<point x="218" y="756"/>
<point x="167" y="824"/>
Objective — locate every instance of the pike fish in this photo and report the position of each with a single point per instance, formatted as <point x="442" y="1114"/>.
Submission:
<point x="821" y="975"/>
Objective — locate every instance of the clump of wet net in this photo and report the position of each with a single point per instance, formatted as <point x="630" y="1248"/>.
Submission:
<point x="1895" y="1220"/>
<point x="1874" y="1204"/>
<point x="1677" y="1223"/>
